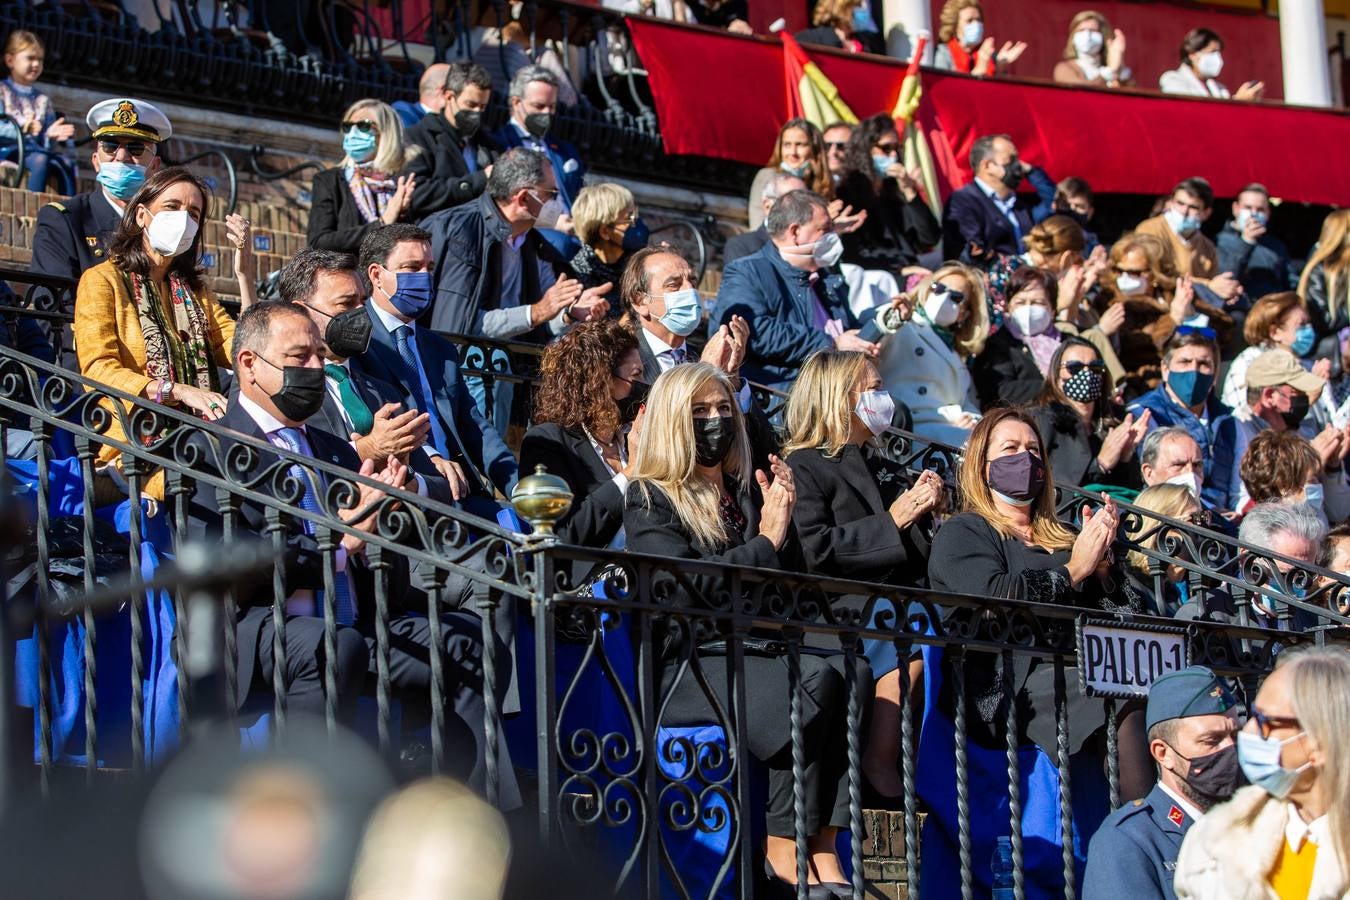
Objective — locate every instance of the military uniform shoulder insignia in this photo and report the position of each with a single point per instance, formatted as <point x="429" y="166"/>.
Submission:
<point x="1175" y="816"/>
<point x="92" y="241"/>
<point x="60" y="207"/>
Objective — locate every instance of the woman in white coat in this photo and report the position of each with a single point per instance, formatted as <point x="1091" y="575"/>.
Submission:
<point x="1287" y="835"/>
<point x="924" y="363"/>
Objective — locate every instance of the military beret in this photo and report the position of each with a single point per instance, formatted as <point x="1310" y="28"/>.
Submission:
<point x="1193" y="691"/>
<point x="128" y="117"/>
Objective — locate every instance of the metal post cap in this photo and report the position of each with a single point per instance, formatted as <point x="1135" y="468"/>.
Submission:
<point x="541" y="499"/>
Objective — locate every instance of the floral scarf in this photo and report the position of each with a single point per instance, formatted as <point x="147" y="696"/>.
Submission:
<point x="177" y="342"/>
<point x="370" y="189"/>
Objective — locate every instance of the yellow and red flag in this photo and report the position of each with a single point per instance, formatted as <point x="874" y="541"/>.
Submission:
<point x="810" y="95"/>
<point x="917" y="154"/>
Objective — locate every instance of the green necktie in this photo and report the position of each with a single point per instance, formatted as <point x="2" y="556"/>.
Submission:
<point x="357" y="411"/>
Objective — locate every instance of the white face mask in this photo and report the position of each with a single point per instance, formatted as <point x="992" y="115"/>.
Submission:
<point x="1188" y="480"/>
<point x="1087" y="42"/>
<point x="1210" y="64"/>
<point x="1130" y="285"/>
<point x="171" y="232"/>
<point x="972" y="33"/>
<point x="939" y="306"/>
<point x="1031" y="319"/>
<point x="824" y="252"/>
<point x="875" y="409"/>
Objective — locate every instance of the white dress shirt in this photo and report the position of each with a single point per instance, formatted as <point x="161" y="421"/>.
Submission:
<point x="666" y="359"/>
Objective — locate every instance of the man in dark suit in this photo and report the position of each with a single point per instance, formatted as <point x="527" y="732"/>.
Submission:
<point x="988" y="218"/>
<point x="777" y="185"/>
<point x="1192" y="720"/>
<point x="457" y="155"/>
<point x="534" y="102"/>
<point x="791" y="292"/>
<point x="357" y="404"/>
<point x="429" y="96"/>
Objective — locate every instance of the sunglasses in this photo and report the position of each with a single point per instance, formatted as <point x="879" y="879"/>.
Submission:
<point x="1204" y="331"/>
<point x="365" y="127"/>
<point x="836" y="145"/>
<point x="1074" y="366"/>
<point x="940" y="288"/>
<point x="1266" y="724"/>
<point x="888" y="149"/>
<point x="110" y="148"/>
<point x="1138" y="273"/>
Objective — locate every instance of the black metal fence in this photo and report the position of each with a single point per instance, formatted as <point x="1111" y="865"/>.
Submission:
<point x="606" y="641"/>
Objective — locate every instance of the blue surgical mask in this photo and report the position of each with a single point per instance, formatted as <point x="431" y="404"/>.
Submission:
<point x="1246" y="215"/>
<point x="1312" y="495"/>
<point x="862" y="19"/>
<point x="122" y="180"/>
<point x="359" y="145"/>
<point x="1260" y="761"/>
<point x="413" y="294"/>
<point x="1182" y="225"/>
<point x="972" y="33"/>
<point x="799" y="171"/>
<point x="1191" y="387"/>
<point x="682" y="312"/>
<point x="1304" y="338"/>
<point x="882" y="163"/>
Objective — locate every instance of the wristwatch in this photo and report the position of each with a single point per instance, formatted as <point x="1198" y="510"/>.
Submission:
<point x="165" y="391"/>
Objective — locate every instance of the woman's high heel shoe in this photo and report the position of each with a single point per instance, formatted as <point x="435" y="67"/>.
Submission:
<point x="780" y="889"/>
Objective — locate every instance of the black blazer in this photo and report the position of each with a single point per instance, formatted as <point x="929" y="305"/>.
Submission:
<point x="1005" y="373"/>
<point x="1072" y="452"/>
<point x="972" y="218"/>
<point x="896" y="231"/>
<point x="739" y="245"/>
<point x="763" y="437"/>
<point x="443" y="177"/>
<point x="335" y="221"/>
<point x="597" y="505"/>
<point x="377" y="393"/>
<point x="825" y="36"/>
<point x="842" y="518"/>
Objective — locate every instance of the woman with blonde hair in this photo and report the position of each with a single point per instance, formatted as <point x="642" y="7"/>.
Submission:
<point x="962" y="45"/>
<point x="692" y="496"/>
<point x="364" y="191"/>
<point x="1325" y="287"/>
<point x="1095" y="53"/>
<point x="1287" y="834"/>
<point x="800" y="151"/>
<point x="861" y="517"/>
<point x="605" y="220"/>
<point x="844" y="25"/>
<point x="924" y="363"/>
<point x="1169" y="590"/>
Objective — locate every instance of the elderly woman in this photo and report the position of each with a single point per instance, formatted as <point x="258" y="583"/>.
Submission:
<point x="364" y="191"/>
<point x="1286" y="834"/>
<point x="1095" y="54"/>
<point x="145" y="321"/>
<point x="605" y="220"/>
<point x="694" y="497"/>
<point x="962" y="45"/>
<point x="800" y="151"/>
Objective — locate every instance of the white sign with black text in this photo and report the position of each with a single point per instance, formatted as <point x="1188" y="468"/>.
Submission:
<point x="1122" y="661"/>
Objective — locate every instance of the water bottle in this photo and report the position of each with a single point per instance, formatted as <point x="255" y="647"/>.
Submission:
<point x="1002" y="865"/>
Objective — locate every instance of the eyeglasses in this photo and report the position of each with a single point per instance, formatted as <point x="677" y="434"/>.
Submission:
<point x="365" y="127"/>
<point x="1266" y="724"/>
<point x="551" y="194"/>
<point x="1138" y="273"/>
<point x="940" y="288"/>
<point x="1074" y="366"/>
<point x="626" y="220"/>
<point x="110" y="148"/>
<point x="888" y="148"/>
<point x="836" y="146"/>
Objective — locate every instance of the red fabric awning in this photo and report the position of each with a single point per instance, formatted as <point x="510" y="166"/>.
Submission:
<point x="723" y="96"/>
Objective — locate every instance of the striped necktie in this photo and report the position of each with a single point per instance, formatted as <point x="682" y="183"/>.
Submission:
<point x="357" y="410"/>
<point x="342" y="602"/>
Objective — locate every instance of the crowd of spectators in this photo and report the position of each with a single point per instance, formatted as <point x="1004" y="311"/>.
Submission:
<point x="1201" y="382"/>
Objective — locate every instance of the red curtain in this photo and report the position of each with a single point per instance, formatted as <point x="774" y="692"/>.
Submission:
<point x="723" y="96"/>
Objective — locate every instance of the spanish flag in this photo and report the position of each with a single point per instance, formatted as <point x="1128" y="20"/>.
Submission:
<point x="916" y="150"/>
<point x="810" y="95"/>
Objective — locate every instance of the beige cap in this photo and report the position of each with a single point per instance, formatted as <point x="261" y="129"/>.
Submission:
<point x="1279" y="366"/>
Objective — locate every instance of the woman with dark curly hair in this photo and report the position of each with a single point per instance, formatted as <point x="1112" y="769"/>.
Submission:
<point x="899" y="224"/>
<point x="587" y="419"/>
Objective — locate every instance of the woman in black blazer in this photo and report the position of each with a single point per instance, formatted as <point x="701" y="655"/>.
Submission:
<point x="363" y="191"/>
<point x="858" y="516"/>
<point x="692" y="497"/>
<point x="1085" y="439"/>
<point x="586" y="424"/>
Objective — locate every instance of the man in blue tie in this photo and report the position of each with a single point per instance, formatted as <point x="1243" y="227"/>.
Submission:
<point x="534" y="104"/>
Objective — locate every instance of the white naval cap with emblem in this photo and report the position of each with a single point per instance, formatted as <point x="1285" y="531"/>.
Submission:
<point x="127" y="117"/>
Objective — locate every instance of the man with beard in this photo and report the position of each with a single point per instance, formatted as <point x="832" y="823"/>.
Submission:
<point x="1192" y="721"/>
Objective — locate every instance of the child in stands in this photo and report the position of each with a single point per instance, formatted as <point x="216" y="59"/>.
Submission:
<point x="30" y="109"/>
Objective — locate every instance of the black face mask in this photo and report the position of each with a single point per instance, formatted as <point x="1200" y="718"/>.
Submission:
<point x="538" y="124"/>
<point x="302" y="391"/>
<point x="1012" y="174"/>
<point x="1298" y="410"/>
<point x="468" y="121"/>
<point x="713" y="439"/>
<point x="348" y="333"/>
<point x="1214" y="777"/>
<point x="628" y="406"/>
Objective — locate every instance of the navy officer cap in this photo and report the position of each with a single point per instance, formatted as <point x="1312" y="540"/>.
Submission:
<point x="1193" y="691"/>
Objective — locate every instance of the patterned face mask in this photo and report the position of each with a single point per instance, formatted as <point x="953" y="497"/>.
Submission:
<point x="1084" y="385"/>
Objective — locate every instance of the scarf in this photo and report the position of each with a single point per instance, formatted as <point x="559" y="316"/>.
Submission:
<point x="177" y="345"/>
<point x="965" y="62"/>
<point x="370" y="189"/>
<point x="1042" y="346"/>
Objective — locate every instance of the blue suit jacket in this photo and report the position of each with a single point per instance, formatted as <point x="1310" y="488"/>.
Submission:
<point x="1134" y="853"/>
<point x="409" y="112"/>
<point x="778" y="302"/>
<point x="559" y="154"/>
<point x="972" y="218"/>
<point x="472" y="442"/>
